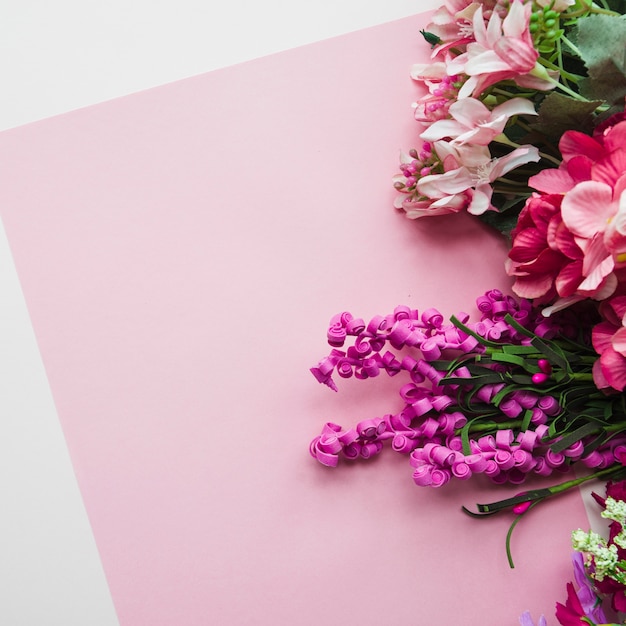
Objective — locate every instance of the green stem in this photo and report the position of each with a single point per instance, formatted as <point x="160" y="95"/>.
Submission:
<point x="550" y="158"/>
<point x="569" y="92"/>
<point x="589" y="8"/>
<point x="581" y="376"/>
<point x="579" y="481"/>
<point x="509" y="181"/>
<point x="505" y="141"/>
<point x="495" y="426"/>
<point x="571" y="46"/>
<point x="559" y="68"/>
<point x="516" y="521"/>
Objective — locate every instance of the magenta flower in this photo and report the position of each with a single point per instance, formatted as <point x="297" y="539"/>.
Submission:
<point x="572" y="612"/>
<point x="586" y="592"/>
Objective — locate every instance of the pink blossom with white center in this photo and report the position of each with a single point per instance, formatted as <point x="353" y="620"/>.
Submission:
<point x="469" y="173"/>
<point x="503" y="49"/>
<point x="472" y="122"/>
<point x="453" y="24"/>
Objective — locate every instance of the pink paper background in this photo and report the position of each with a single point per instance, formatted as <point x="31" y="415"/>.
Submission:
<point x="181" y="251"/>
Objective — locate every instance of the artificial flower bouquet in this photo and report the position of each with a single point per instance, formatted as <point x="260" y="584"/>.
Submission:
<point x="522" y="124"/>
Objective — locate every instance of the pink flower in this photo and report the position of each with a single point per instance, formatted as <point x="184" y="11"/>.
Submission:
<point x="469" y="172"/>
<point x="609" y="341"/>
<point x="601" y="158"/>
<point x="571" y="613"/>
<point x="472" y="122"/>
<point x="502" y="50"/>
<point x="453" y="23"/>
<point x="442" y="91"/>
<point x="589" y="229"/>
<point x="544" y="257"/>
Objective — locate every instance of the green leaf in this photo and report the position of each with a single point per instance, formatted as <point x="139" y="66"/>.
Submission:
<point x="504" y="219"/>
<point x="558" y="113"/>
<point x="600" y="40"/>
<point x="587" y="429"/>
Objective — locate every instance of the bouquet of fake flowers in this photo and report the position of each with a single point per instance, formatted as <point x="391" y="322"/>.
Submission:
<point x="522" y="124"/>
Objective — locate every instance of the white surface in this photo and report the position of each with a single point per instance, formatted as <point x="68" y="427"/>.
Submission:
<point x="56" y="57"/>
<point x="51" y="572"/>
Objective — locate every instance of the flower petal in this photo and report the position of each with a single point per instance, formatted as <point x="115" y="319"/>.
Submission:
<point x="574" y="143"/>
<point x="552" y="181"/>
<point x="575" y="208"/>
<point x="614" y="368"/>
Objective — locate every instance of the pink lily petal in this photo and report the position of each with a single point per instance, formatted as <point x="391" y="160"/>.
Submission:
<point x="443" y="128"/>
<point x="575" y="208"/>
<point x="519" y="57"/>
<point x="470" y="112"/>
<point x="516" y="21"/>
<point x="481" y="200"/>
<point x="449" y="183"/>
<point x="515" y="106"/>
<point x="514" y="159"/>
<point x="485" y="62"/>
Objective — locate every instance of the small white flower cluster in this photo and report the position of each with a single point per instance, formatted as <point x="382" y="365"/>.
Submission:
<point x="603" y="555"/>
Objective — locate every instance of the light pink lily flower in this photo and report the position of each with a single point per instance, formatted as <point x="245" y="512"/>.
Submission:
<point x="453" y="24"/>
<point x="502" y="50"/>
<point x="469" y="173"/>
<point x="472" y="122"/>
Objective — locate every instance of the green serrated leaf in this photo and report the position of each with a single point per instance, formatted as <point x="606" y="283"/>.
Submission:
<point x="558" y="113"/>
<point x="600" y="40"/>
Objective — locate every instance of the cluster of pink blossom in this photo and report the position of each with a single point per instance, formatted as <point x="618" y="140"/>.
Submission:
<point x="570" y="240"/>
<point x="515" y="439"/>
<point x="477" y="45"/>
